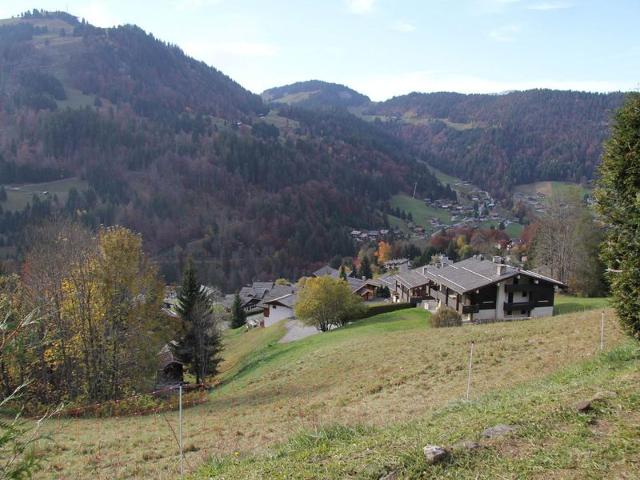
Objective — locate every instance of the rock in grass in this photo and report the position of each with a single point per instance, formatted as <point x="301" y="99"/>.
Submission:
<point x="584" y="406"/>
<point x="601" y="397"/>
<point x="434" y="454"/>
<point x="498" y="431"/>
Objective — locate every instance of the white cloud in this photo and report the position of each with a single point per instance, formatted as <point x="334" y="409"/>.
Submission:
<point x="382" y="87"/>
<point x="402" y="26"/>
<point x="505" y="33"/>
<point x="360" y="7"/>
<point x="97" y="13"/>
<point x="546" y="6"/>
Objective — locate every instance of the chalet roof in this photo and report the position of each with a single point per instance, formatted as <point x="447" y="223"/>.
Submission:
<point x="326" y="271"/>
<point x="279" y="291"/>
<point x="474" y="273"/>
<point x="411" y="278"/>
<point x="288" y="300"/>
<point x="355" y="283"/>
<point x="166" y="356"/>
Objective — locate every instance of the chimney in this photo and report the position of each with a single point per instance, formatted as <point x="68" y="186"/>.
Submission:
<point x="502" y="269"/>
<point x="497" y="259"/>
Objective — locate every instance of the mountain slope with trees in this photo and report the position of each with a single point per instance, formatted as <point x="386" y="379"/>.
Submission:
<point x="316" y="94"/>
<point x="495" y="141"/>
<point x="177" y="151"/>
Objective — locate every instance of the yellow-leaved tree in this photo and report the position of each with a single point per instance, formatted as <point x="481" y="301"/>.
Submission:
<point x="326" y="302"/>
<point x="113" y="299"/>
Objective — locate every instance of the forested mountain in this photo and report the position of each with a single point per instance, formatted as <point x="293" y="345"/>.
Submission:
<point x="498" y="141"/>
<point x="316" y="94"/>
<point x="179" y="152"/>
<point x="495" y="141"/>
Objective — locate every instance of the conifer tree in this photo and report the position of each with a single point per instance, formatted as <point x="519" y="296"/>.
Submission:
<point x="618" y="201"/>
<point x="201" y="343"/>
<point x="365" y="268"/>
<point x="238" y="315"/>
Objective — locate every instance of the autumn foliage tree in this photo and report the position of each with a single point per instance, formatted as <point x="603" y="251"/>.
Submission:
<point x="383" y="254"/>
<point x="101" y="322"/>
<point x="326" y="302"/>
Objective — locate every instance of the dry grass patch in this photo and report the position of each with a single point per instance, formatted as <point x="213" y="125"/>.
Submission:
<point x="387" y="369"/>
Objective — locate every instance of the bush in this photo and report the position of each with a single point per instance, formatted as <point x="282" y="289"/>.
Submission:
<point x="385" y="308"/>
<point x="446" y="317"/>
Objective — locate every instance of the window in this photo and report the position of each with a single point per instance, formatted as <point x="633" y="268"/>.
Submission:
<point x="274" y="307"/>
<point x="525" y="293"/>
<point x="523" y="312"/>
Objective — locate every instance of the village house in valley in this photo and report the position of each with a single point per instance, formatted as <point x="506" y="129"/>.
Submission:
<point x="478" y="289"/>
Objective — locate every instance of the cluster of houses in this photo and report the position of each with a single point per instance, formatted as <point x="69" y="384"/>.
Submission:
<point x="479" y="289"/>
<point x="367" y="235"/>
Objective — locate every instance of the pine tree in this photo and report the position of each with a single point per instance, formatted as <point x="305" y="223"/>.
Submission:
<point x="365" y="268"/>
<point x="238" y="315"/>
<point x="618" y="201"/>
<point x="189" y="292"/>
<point x="201" y="342"/>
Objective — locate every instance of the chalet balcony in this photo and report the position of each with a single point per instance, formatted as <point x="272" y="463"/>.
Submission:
<point x="527" y="305"/>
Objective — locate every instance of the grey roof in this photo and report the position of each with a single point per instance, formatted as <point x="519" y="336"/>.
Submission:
<point x="279" y="291"/>
<point x="474" y="273"/>
<point x="411" y="278"/>
<point x="326" y="271"/>
<point x="355" y="283"/>
<point x="288" y="300"/>
<point x="387" y="280"/>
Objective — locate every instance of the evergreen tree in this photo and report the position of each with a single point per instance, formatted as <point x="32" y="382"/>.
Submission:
<point x="190" y="291"/>
<point x="201" y="342"/>
<point x="238" y="315"/>
<point x="618" y="201"/>
<point x="365" y="268"/>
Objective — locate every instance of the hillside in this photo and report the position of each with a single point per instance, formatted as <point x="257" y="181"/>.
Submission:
<point x="499" y="141"/>
<point x="371" y="378"/>
<point x="494" y="141"/>
<point x="147" y="137"/>
<point x="316" y="94"/>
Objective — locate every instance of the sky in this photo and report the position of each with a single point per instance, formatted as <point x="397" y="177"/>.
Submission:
<point x="385" y="48"/>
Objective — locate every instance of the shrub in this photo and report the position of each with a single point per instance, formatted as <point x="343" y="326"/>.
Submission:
<point x="446" y="317"/>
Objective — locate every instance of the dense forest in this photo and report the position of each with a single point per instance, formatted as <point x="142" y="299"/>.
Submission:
<point x="498" y="141"/>
<point x="495" y="141"/>
<point x="177" y="151"/>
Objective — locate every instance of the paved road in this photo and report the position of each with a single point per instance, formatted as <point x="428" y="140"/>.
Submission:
<point x="297" y="330"/>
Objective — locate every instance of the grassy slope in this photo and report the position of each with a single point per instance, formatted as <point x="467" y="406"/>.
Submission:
<point x="570" y="304"/>
<point x="420" y="212"/>
<point x="552" y="188"/>
<point x="19" y="195"/>
<point x="552" y="439"/>
<point x="381" y="372"/>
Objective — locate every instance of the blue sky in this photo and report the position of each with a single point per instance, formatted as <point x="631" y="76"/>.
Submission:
<point x="391" y="47"/>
